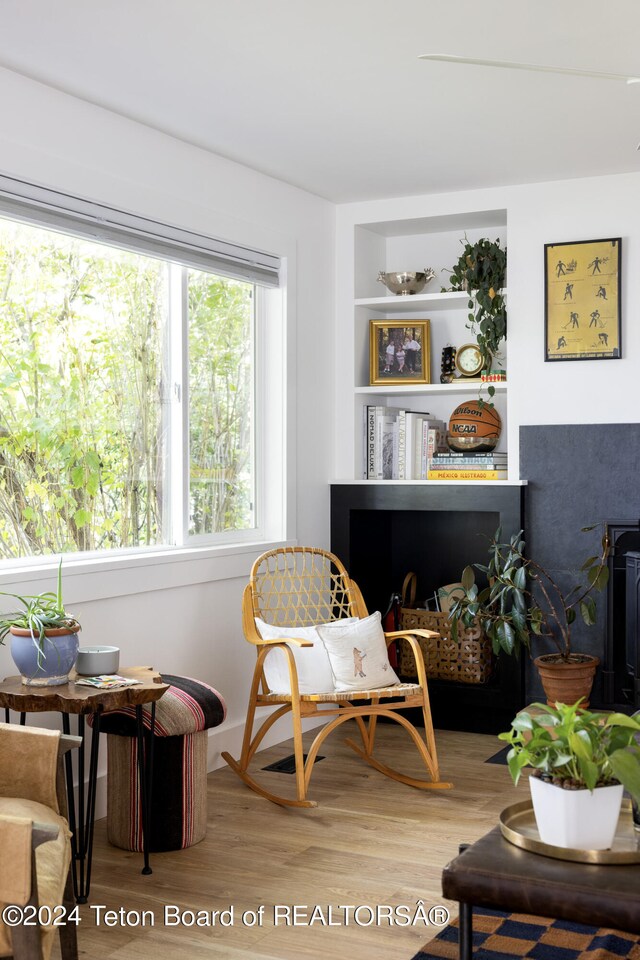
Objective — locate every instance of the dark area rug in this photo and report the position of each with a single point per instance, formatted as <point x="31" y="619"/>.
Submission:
<point x="515" y="936"/>
<point x="499" y="757"/>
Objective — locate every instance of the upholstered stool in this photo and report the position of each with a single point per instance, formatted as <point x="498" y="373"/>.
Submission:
<point x="178" y="816"/>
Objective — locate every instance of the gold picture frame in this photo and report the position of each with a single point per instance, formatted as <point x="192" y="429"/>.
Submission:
<point x="582" y="300"/>
<point x="399" y="352"/>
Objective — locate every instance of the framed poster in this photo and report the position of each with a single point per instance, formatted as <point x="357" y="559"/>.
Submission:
<point x="582" y="300"/>
<point x="399" y="352"/>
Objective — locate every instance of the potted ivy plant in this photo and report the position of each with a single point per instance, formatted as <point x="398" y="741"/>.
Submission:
<point x="580" y="762"/>
<point x="44" y="637"/>
<point x="481" y="271"/>
<point x="522" y="600"/>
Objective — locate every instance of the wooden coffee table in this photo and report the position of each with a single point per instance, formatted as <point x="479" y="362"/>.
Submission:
<point x="70" y="698"/>
<point x="494" y="873"/>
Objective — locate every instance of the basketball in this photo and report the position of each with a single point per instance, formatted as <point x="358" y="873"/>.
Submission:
<point x="474" y="425"/>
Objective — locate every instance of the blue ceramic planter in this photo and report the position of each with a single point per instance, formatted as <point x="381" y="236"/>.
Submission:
<point x="60" y="652"/>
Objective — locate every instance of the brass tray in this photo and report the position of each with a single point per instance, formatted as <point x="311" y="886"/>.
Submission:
<point x="518" y="825"/>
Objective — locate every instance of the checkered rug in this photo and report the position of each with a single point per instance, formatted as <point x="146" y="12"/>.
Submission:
<point x="512" y="936"/>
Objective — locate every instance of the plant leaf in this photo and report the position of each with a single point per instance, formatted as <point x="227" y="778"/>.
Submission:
<point x="468" y="578"/>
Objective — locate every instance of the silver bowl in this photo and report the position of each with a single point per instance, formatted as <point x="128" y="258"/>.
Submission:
<point x="406" y="283"/>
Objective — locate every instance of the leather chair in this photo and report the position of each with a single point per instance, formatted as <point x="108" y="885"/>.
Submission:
<point x="35" y="849"/>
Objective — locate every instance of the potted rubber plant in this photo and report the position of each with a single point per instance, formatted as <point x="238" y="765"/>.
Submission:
<point x="44" y="637"/>
<point x="481" y="271"/>
<point x="580" y="762"/>
<point x="522" y="601"/>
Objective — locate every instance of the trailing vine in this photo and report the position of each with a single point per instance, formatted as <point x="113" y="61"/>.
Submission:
<point x="481" y="270"/>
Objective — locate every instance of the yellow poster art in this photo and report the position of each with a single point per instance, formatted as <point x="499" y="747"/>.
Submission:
<point x="582" y="300"/>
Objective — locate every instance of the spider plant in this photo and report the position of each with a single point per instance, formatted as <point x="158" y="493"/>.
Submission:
<point x="42" y="612"/>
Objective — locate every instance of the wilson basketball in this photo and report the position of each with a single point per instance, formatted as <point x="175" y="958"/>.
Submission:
<point x="474" y="425"/>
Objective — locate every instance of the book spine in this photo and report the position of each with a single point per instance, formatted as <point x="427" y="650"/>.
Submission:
<point x="378" y="443"/>
<point x="387" y="446"/>
<point x="402" y="422"/>
<point x="436" y="464"/>
<point x="458" y="456"/>
<point x="409" y="444"/>
<point x="436" y="440"/>
<point x="467" y="475"/>
<point x="371" y="443"/>
<point x="418" y="448"/>
<point x="394" y="469"/>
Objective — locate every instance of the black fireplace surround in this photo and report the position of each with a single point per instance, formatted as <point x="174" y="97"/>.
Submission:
<point x="577" y="475"/>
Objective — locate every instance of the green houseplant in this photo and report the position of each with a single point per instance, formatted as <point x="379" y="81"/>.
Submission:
<point x="581" y="761"/>
<point x="522" y="601"/>
<point x="44" y="637"/>
<point x="481" y="271"/>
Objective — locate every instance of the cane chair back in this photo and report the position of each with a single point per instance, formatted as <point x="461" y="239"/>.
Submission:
<point x="301" y="587"/>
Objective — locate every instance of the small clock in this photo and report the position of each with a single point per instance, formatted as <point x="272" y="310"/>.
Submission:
<point x="469" y="360"/>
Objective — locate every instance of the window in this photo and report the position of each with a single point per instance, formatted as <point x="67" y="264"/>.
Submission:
<point x="128" y="414"/>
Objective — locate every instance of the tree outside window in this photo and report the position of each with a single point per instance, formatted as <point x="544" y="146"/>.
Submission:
<point x="87" y="380"/>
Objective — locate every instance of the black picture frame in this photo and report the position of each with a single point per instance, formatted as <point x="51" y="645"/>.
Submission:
<point x="582" y="300"/>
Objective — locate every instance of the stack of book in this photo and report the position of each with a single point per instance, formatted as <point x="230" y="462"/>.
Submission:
<point x="399" y="443"/>
<point x="451" y="465"/>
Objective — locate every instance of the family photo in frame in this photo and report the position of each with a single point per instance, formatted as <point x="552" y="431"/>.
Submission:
<point x="582" y="300"/>
<point x="399" y="352"/>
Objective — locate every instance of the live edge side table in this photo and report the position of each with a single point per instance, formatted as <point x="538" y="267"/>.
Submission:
<point x="71" y="698"/>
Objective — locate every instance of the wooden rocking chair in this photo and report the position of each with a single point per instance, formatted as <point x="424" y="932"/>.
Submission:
<point x="297" y="587"/>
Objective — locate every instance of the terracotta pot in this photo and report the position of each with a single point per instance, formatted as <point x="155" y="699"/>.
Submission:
<point x="567" y="681"/>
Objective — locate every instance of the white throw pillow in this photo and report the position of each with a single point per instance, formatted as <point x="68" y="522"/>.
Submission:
<point x="358" y="654"/>
<point x="312" y="663"/>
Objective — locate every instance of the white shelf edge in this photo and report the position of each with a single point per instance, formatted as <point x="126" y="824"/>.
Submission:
<point x="426" y="388"/>
<point x="432" y="483"/>
<point x="411" y="304"/>
<point x="417" y="302"/>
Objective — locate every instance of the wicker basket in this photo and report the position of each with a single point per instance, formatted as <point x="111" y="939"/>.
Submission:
<point x="467" y="660"/>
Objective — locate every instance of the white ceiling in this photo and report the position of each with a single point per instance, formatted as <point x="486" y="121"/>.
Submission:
<point x="330" y="95"/>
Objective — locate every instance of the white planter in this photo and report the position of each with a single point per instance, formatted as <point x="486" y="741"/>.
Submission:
<point x="580" y="819"/>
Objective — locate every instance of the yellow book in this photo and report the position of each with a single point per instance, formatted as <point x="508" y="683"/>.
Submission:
<point x="467" y="475"/>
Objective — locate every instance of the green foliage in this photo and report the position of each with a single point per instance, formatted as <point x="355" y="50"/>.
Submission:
<point x="522" y="599"/>
<point x="42" y="612"/>
<point x="481" y="270"/>
<point x="220" y="385"/>
<point x="568" y="743"/>
<point x="85" y="397"/>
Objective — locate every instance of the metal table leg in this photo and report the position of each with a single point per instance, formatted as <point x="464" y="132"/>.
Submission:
<point x="145" y="777"/>
<point x="465" y="941"/>
<point x="82" y="826"/>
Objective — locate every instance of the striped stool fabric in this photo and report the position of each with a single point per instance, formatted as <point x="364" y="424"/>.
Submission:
<point x="179" y="791"/>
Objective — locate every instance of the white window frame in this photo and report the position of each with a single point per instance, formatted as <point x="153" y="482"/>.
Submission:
<point x="273" y="431"/>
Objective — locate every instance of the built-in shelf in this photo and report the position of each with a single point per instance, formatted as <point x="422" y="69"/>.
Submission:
<point x="408" y="389"/>
<point x="418" y="302"/>
<point x="432" y="483"/>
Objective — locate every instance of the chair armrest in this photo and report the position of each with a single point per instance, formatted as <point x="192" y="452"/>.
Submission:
<point x="414" y="632"/>
<point x="28" y="763"/>
<point x="68" y="742"/>
<point x="280" y="640"/>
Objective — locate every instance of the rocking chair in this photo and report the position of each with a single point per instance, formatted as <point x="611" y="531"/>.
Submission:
<point x="301" y="587"/>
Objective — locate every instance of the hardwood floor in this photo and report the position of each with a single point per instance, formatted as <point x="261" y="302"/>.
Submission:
<point x="370" y="842"/>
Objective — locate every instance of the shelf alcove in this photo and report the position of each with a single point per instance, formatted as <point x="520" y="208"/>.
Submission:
<point x="381" y="531"/>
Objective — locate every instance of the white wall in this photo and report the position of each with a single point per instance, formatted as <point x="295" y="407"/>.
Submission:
<point x="186" y="618"/>
<point x="590" y="391"/>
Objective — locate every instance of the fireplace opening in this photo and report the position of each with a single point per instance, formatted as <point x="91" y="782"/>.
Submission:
<point x="621" y="661"/>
